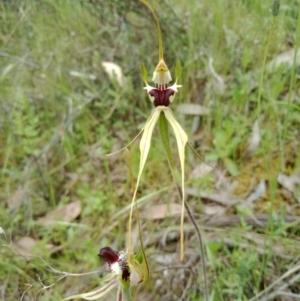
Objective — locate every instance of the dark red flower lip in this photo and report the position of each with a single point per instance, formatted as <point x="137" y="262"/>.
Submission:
<point x="161" y="96"/>
<point x="109" y="255"/>
<point x="113" y="257"/>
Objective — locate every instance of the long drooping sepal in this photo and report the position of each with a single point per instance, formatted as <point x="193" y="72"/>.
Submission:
<point x="119" y="294"/>
<point x="146" y="140"/>
<point x="140" y="270"/>
<point x="181" y="139"/>
<point x="100" y="292"/>
<point x="144" y="149"/>
<point x="163" y="128"/>
<point x="178" y="70"/>
<point x="141" y="258"/>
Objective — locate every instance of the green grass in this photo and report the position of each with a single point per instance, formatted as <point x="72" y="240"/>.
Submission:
<point x="56" y="127"/>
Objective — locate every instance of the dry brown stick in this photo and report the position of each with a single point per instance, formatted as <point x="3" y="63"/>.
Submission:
<point x="258" y="220"/>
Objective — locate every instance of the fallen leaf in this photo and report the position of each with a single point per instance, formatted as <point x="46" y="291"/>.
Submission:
<point x="219" y="83"/>
<point x="254" y="140"/>
<point x="200" y="171"/>
<point x="65" y="214"/>
<point x="286" y="58"/>
<point x="286" y="181"/>
<point x="114" y="71"/>
<point x="215" y="210"/>
<point x="290" y="183"/>
<point x="17" y="198"/>
<point x="27" y="247"/>
<point x="258" y="192"/>
<point x="2" y="232"/>
<point x="221" y="198"/>
<point x="162" y="211"/>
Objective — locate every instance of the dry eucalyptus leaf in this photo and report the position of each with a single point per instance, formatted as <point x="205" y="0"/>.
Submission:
<point x="290" y="183"/>
<point x="2" y="232"/>
<point x="65" y="214"/>
<point x="162" y="211"/>
<point x="114" y="71"/>
<point x="254" y="139"/>
<point x="17" y="198"/>
<point x="213" y="210"/>
<point x="286" y="58"/>
<point x="25" y="245"/>
<point x="221" y="198"/>
<point x="286" y="181"/>
<point x="219" y="83"/>
<point x="258" y="192"/>
<point x="200" y="171"/>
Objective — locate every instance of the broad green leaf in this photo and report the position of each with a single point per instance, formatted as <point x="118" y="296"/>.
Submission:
<point x="181" y="138"/>
<point x="231" y="166"/>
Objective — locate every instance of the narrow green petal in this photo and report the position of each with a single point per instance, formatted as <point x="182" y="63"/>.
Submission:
<point x="95" y="295"/>
<point x="144" y="74"/>
<point x="178" y="70"/>
<point x="140" y="257"/>
<point x="144" y="149"/>
<point x="146" y="139"/>
<point x="181" y="138"/>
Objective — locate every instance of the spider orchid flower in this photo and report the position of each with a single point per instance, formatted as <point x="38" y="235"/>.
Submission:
<point x="123" y="275"/>
<point x="162" y="95"/>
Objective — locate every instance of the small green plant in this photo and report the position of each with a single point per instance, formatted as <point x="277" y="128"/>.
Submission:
<point x="225" y="143"/>
<point x="162" y="96"/>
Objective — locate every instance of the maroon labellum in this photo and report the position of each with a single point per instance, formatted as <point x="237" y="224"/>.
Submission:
<point x="161" y="96"/>
<point x="109" y="255"/>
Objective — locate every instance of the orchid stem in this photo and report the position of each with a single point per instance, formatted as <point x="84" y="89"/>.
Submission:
<point x="127" y="294"/>
<point x="164" y="132"/>
<point x="160" y="46"/>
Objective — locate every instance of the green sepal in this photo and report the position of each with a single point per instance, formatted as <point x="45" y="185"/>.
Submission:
<point x="144" y="74"/>
<point x="98" y="293"/>
<point x="178" y="70"/>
